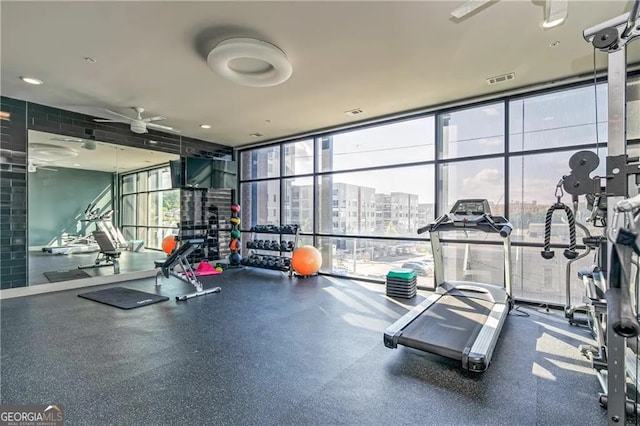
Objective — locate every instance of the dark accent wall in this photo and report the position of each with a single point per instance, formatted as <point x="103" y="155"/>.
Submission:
<point x="13" y="193"/>
<point x="58" y="199"/>
<point x="18" y="117"/>
<point x="73" y="124"/>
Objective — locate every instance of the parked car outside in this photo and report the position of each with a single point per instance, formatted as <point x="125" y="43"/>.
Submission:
<point x="421" y="269"/>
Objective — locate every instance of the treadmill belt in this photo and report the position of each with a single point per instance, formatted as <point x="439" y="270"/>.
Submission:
<point x="448" y="327"/>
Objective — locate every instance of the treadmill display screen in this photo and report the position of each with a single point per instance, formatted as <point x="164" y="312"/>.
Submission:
<point x="471" y="207"/>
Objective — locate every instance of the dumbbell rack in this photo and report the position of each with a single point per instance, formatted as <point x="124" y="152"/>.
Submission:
<point x="259" y="250"/>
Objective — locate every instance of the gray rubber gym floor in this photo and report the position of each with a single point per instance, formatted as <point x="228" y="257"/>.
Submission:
<point x="274" y="350"/>
<point x="39" y="263"/>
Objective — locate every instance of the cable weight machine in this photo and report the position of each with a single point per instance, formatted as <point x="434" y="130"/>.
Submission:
<point x="612" y="37"/>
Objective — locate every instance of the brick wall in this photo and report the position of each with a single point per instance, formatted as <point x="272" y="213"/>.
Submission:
<point x="13" y="193"/>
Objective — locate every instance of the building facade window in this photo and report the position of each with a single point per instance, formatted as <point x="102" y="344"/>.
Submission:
<point x="360" y="195"/>
<point x="150" y="207"/>
<point x="471" y="132"/>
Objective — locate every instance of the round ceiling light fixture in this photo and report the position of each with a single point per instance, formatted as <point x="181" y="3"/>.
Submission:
<point x="250" y="62"/>
<point x="31" y="80"/>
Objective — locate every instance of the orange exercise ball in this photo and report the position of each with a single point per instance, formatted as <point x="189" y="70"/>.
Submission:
<point x="306" y="260"/>
<point x="169" y="244"/>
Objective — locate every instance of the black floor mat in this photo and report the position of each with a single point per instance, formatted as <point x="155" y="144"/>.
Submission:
<point x="123" y="298"/>
<point x="72" y="274"/>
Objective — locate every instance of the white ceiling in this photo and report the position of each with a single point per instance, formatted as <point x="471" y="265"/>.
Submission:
<point x="383" y="57"/>
<point x="105" y="158"/>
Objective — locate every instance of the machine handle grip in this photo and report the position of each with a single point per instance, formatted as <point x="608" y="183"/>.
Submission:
<point x="424" y="229"/>
<point x="505" y="231"/>
<point x="433" y="225"/>
<point x="569" y="253"/>
<point x="620" y="312"/>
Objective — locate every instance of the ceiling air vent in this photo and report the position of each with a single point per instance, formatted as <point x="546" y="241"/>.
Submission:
<point x="501" y="78"/>
<point x="354" y="111"/>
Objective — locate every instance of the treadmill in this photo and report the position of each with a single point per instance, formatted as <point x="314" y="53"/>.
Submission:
<point x="462" y="320"/>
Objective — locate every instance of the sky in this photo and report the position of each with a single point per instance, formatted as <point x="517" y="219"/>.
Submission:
<point x="552" y="120"/>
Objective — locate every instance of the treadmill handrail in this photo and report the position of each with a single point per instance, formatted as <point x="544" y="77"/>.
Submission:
<point x="430" y="227"/>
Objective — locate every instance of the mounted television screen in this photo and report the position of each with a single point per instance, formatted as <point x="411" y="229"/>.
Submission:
<point x="198" y="172"/>
<point x="211" y="173"/>
<point x="224" y="174"/>
<point x="176" y="174"/>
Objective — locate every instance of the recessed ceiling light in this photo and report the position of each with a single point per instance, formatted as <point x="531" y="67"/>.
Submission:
<point x="205" y="126"/>
<point x="256" y="135"/>
<point x="153" y="142"/>
<point x="554" y="44"/>
<point x="31" y="80"/>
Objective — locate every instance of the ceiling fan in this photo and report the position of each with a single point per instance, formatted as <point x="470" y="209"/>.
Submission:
<point x="138" y="125"/>
<point x="86" y="144"/>
<point x="555" y="11"/>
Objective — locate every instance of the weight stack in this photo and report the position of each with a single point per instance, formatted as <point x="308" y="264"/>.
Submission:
<point x="402" y="283"/>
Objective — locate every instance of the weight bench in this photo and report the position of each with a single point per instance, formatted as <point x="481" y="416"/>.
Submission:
<point x="108" y="253"/>
<point x="179" y="257"/>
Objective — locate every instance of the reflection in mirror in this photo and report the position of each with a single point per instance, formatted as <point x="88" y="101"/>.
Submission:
<point x="95" y="208"/>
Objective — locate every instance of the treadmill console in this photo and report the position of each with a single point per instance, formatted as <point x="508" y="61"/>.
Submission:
<point x="469" y="212"/>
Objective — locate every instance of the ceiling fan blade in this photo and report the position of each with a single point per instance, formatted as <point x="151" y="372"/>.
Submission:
<point x="34" y="166"/>
<point x="555" y="12"/>
<point x="156" y="118"/>
<point x="468" y="8"/>
<point x="67" y="139"/>
<point x="161" y="127"/>
<point x="101" y="120"/>
<point x="117" y="114"/>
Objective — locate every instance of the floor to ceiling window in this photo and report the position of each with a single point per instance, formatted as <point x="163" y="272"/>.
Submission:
<point x="359" y="195"/>
<point x="544" y="132"/>
<point x="150" y="208"/>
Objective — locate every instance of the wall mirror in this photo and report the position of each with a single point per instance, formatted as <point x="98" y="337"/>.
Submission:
<point x="85" y="196"/>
